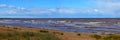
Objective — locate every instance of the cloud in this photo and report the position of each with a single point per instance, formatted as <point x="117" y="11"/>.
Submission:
<point x="105" y="7"/>
<point x="110" y="7"/>
<point x="10" y="9"/>
<point x="16" y="10"/>
<point x="3" y="5"/>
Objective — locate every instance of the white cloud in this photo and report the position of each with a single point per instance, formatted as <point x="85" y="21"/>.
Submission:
<point x="13" y="10"/>
<point x="104" y="7"/>
<point x="108" y="6"/>
<point x="3" y="5"/>
<point x="96" y="10"/>
<point x="10" y="9"/>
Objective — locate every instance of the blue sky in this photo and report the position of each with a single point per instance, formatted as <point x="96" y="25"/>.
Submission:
<point x="59" y="8"/>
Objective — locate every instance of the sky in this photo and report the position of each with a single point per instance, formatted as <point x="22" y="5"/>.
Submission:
<point x="59" y="8"/>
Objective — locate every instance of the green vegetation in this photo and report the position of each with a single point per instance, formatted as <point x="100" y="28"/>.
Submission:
<point x="27" y="36"/>
<point x="107" y="37"/>
<point x="112" y="37"/>
<point x="10" y="33"/>
<point x="79" y="34"/>
<point x="44" y="31"/>
<point x="42" y="36"/>
<point x="9" y="36"/>
<point x="15" y="28"/>
<point x="47" y="37"/>
<point x="97" y="37"/>
<point x="62" y="33"/>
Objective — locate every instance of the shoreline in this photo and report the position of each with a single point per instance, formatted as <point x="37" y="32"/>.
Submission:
<point x="61" y="35"/>
<point x="99" y="33"/>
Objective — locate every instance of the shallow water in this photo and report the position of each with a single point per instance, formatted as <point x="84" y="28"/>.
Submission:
<point x="82" y="27"/>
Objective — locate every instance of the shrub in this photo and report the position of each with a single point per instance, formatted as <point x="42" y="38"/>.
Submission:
<point x="8" y="34"/>
<point x="1" y="35"/>
<point x="42" y="36"/>
<point x="16" y="33"/>
<point x="27" y="34"/>
<point x="58" y="33"/>
<point x="61" y="33"/>
<point x="112" y="37"/>
<point x="96" y="36"/>
<point x="15" y="28"/>
<point x="44" y="31"/>
<point x="79" y="34"/>
<point x="47" y="37"/>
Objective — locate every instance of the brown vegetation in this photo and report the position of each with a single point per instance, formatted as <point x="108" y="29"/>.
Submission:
<point x="23" y="33"/>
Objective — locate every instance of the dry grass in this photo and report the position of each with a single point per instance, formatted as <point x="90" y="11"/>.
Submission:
<point x="23" y="33"/>
<point x="20" y="33"/>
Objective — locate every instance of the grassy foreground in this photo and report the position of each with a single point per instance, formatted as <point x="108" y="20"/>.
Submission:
<point x="19" y="33"/>
<point x="22" y="33"/>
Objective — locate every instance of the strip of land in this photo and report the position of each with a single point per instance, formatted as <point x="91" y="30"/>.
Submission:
<point x="24" y="33"/>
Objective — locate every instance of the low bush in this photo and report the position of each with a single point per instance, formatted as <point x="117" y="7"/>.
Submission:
<point x="27" y="34"/>
<point x="15" y="28"/>
<point x="79" y="34"/>
<point x="62" y="33"/>
<point x="42" y="36"/>
<point x="8" y="35"/>
<point x="96" y="36"/>
<point x="48" y="37"/>
<point x="44" y="31"/>
<point x="112" y="37"/>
